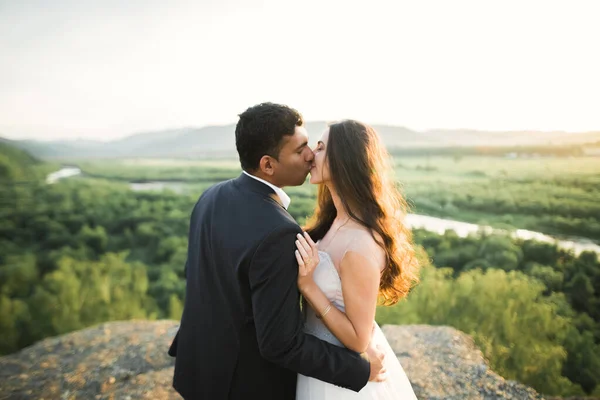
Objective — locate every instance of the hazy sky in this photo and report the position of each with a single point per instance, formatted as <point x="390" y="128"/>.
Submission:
<point x="106" y="69"/>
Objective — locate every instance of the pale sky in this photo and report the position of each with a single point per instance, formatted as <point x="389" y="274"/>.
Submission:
<point x="107" y="69"/>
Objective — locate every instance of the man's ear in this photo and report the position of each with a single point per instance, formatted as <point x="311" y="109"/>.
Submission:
<point x="266" y="165"/>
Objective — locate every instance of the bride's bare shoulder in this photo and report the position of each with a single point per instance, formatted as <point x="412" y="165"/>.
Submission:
<point x="364" y="242"/>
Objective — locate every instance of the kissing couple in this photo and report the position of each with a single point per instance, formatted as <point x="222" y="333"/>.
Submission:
<point x="277" y="311"/>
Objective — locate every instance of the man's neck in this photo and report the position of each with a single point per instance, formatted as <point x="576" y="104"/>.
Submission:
<point x="264" y="177"/>
<point x="284" y="199"/>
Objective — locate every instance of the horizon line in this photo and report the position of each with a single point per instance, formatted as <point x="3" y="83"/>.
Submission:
<point x="3" y="135"/>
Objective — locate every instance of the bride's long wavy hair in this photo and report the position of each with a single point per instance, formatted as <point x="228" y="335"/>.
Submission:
<point x="361" y="173"/>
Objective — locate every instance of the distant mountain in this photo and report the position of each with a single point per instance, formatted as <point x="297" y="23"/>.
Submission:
<point x="219" y="141"/>
<point x="59" y="148"/>
<point x="211" y="141"/>
<point x="16" y="164"/>
<point x="467" y="137"/>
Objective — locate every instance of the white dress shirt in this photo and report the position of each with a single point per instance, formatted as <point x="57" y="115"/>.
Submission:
<point x="285" y="199"/>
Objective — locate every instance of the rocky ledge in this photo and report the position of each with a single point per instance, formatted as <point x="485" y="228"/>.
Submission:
<point x="128" y="360"/>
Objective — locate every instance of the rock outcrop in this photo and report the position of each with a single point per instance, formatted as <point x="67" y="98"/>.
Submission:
<point x="128" y="360"/>
<point x="444" y="363"/>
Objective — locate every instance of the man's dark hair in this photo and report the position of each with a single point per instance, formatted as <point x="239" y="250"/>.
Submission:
<point x="260" y="131"/>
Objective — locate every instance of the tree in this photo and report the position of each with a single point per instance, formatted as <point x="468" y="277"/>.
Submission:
<point x="518" y="330"/>
<point x="14" y="314"/>
<point x="94" y="238"/>
<point x="583" y="362"/>
<point x="81" y="293"/>
<point x="580" y="291"/>
<point x="552" y="279"/>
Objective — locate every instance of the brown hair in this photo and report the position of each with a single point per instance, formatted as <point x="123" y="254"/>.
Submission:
<point x="361" y="174"/>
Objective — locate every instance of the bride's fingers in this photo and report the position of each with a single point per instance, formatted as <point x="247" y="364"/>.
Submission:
<point x="301" y="265"/>
<point x="304" y="244"/>
<point x="303" y="252"/>
<point x="381" y="377"/>
<point x="312" y="244"/>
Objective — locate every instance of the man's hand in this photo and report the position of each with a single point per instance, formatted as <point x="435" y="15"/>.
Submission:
<point x="378" y="370"/>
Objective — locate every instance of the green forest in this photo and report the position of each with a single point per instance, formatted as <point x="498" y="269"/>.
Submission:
<point x="89" y="249"/>
<point x="556" y="196"/>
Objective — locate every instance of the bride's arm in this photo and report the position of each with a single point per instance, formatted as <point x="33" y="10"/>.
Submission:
<point x="360" y="286"/>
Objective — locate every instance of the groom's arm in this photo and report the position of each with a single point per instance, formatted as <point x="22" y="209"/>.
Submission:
<point x="275" y="300"/>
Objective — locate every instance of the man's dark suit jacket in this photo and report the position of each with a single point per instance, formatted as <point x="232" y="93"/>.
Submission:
<point x="241" y="331"/>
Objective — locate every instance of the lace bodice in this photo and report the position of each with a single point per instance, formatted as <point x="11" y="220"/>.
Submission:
<point x="326" y="274"/>
<point x="327" y="278"/>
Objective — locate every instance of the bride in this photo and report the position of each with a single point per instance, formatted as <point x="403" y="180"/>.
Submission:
<point x="363" y="254"/>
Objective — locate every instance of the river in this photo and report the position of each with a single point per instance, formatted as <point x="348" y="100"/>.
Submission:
<point x="61" y="174"/>
<point x="440" y="225"/>
<point x="433" y="224"/>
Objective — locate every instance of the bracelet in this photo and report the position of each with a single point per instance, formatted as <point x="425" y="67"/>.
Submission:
<point x="324" y="313"/>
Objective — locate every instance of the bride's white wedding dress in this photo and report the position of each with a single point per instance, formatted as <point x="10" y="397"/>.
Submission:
<point x="397" y="385"/>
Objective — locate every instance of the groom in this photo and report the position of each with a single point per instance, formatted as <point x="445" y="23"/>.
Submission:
<point x="241" y="331"/>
